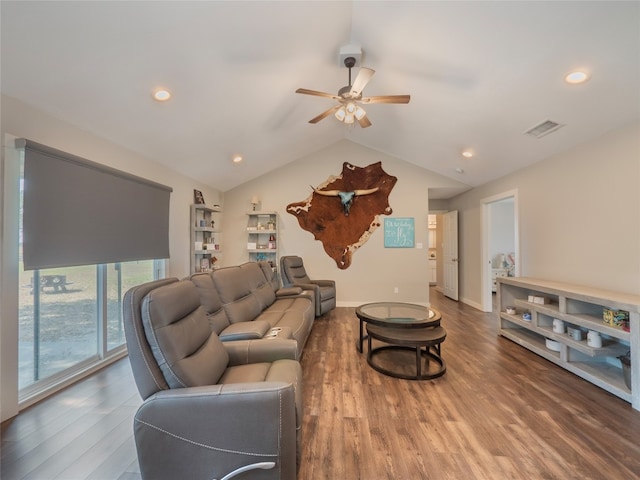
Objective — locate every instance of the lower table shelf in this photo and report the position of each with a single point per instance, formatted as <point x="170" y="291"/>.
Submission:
<point x="565" y="314"/>
<point x="599" y="372"/>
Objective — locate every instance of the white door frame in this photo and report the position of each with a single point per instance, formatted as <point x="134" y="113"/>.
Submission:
<point x="450" y="254"/>
<point x="485" y="271"/>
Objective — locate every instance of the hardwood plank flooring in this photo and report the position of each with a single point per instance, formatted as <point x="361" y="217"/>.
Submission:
<point x="499" y="412"/>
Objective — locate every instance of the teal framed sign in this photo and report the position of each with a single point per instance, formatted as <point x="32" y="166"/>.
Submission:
<point x="399" y="232"/>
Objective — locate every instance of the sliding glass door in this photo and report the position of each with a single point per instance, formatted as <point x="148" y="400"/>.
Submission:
<point x="58" y="321"/>
<point x="70" y="317"/>
<point x="120" y="278"/>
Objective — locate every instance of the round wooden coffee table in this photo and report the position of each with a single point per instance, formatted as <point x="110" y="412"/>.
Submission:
<point x="425" y="341"/>
<point x="395" y="314"/>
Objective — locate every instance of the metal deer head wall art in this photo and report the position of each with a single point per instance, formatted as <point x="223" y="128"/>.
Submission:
<point x="344" y="226"/>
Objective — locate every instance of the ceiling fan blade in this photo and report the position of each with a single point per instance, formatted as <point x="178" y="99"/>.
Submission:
<point x="387" y="99"/>
<point x="324" y="114"/>
<point x="364" y="122"/>
<point x="364" y="75"/>
<point x="316" y="93"/>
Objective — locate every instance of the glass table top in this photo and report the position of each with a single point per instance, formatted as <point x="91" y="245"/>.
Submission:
<point x="398" y="314"/>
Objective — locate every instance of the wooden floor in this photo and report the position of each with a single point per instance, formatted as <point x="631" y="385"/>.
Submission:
<point x="499" y="412"/>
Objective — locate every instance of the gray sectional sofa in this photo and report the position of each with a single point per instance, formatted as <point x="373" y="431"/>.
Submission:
<point x="243" y="303"/>
<point x="213" y="408"/>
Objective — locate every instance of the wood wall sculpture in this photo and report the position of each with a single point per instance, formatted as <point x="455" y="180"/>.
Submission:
<point x="343" y="229"/>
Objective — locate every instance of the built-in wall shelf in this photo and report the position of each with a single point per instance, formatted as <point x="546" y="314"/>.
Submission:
<point x="262" y="237"/>
<point x="205" y="233"/>
<point x="580" y="308"/>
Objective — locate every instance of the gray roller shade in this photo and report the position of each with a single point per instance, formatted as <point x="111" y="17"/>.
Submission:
<point x="77" y="212"/>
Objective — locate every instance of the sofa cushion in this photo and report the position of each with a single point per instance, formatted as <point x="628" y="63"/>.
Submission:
<point x="210" y="301"/>
<point x="188" y="353"/>
<point x="258" y="283"/>
<point x="251" y="372"/>
<point x="288" y="371"/>
<point x="293" y="270"/>
<point x="270" y="275"/>
<point x="296" y="313"/>
<point x="236" y="294"/>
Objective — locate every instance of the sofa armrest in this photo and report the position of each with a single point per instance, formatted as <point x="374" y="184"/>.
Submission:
<point x="308" y="286"/>
<point x="208" y="432"/>
<point x="288" y="291"/>
<point x="310" y="294"/>
<point x="303" y="290"/>
<point x="264" y="350"/>
<point x="245" y="331"/>
<point x="324" y="283"/>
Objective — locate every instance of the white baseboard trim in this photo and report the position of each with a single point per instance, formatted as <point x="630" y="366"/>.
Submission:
<point x="471" y="303"/>
<point x="349" y="304"/>
<point x="357" y="304"/>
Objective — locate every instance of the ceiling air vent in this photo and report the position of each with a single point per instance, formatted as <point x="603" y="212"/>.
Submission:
<point x="543" y="128"/>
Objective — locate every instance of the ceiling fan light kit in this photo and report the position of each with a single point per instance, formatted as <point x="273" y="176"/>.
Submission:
<point x="350" y="97"/>
<point x="346" y="113"/>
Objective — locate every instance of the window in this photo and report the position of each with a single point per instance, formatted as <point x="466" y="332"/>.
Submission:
<point x="58" y="321"/>
<point x="120" y="278"/>
<point x="61" y="323"/>
<point x="70" y="317"/>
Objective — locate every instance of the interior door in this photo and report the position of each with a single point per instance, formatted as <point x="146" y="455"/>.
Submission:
<point x="450" y="254"/>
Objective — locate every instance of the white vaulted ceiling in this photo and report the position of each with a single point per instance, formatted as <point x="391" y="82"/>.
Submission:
<point x="479" y="74"/>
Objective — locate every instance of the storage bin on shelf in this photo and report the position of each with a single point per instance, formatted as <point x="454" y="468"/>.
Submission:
<point x="615" y="318"/>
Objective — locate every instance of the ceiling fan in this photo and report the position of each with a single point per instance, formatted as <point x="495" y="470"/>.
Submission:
<point x="350" y="99"/>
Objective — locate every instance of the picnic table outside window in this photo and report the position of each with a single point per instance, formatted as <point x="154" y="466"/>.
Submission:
<point x="57" y="282"/>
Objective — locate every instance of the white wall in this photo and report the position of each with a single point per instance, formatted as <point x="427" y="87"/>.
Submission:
<point x="579" y="216"/>
<point x="375" y="270"/>
<point x="21" y="120"/>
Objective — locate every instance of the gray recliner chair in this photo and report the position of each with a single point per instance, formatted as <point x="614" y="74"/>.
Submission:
<point x="206" y="415"/>
<point x="294" y="274"/>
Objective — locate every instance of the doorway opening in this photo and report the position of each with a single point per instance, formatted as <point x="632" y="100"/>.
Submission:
<point x="443" y="252"/>
<point x="500" y="243"/>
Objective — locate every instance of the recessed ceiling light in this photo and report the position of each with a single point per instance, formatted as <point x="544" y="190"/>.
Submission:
<point x="237" y="158"/>
<point x="161" y="95"/>
<point x="576" y="77"/>
<point x="459" y="170"/>
<point x="467" y="154"/>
